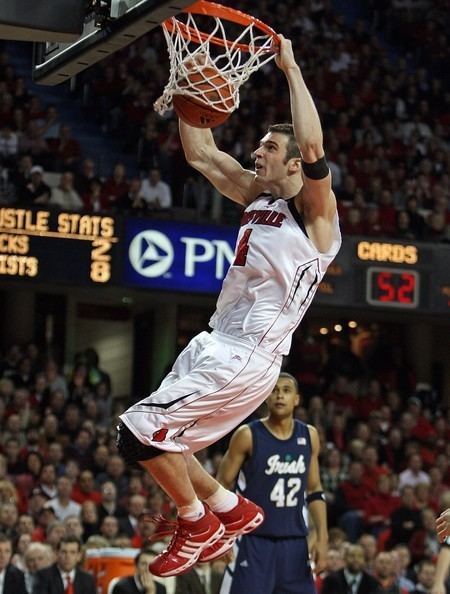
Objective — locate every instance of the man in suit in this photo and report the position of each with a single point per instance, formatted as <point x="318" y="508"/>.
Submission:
<point x="129" y="524"/>
<point x="142" y="582"/>
<point x="64" y="577"/>
<point x="11" y="579"/>
<point x="352" y="579"/>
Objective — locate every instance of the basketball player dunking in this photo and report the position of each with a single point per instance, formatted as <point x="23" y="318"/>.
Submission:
<point x="288" y="237"/>
<point x="277" y="458"/>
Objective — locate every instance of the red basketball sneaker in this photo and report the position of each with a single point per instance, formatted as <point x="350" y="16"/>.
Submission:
<point x="188" y="541"/>
<point x="242" y="519"/>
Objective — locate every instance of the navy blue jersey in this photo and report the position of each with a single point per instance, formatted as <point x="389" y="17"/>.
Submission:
<point x="275" y="477"/>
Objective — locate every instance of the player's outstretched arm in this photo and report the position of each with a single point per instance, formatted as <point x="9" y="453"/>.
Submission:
<point x="223" y="171"/>
<point x="317" y="505"/>
<point x="317" y="197"/>
<point x="239" y="449"/>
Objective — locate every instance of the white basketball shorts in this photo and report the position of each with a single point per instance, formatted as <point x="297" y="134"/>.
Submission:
<point x="216" y="382"/>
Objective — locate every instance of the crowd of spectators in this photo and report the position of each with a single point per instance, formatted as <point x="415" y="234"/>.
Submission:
<point x="385" y="110"/>
<point x="385" y="459"/>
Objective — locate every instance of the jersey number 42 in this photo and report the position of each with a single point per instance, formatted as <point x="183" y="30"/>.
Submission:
<point x="284" y="492"/>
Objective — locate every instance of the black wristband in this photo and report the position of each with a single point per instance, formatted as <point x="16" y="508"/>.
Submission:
<point x="316" y="496"/>
<point x="317" y="170"/>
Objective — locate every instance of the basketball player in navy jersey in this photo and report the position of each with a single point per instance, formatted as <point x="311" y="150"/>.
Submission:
<point x="288" y="237"/>
<point x="276" y="459"/>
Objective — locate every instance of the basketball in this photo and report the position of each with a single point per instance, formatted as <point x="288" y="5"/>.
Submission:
<point x="207" y="83"/>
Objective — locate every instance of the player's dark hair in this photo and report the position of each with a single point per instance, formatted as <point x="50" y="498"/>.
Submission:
<point x="286" y="375"/>
<point x="292" y="149"/>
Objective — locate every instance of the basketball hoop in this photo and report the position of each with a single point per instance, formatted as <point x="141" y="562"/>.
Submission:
<point x="192" y="50"/>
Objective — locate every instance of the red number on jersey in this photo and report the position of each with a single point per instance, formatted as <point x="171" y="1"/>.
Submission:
<point x="242" y="250"/>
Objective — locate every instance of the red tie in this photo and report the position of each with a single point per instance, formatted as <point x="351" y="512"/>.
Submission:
<point x="69" y="587"/>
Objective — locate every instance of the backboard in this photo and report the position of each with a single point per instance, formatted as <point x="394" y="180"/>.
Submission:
<point x="103" y="34"/>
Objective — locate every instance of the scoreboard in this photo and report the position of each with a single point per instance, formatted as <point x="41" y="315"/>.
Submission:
<point x="58" y="247"/>
<point x="66" y="248"/>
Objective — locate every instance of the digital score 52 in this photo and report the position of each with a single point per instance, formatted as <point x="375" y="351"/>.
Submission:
<point x="57" y="246"/>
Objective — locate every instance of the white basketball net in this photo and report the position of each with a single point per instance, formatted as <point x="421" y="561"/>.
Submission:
<point x="193" y="54"/>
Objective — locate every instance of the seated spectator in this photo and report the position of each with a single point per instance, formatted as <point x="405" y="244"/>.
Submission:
<point x="403" y="228"/>
<point x="372" y="470"/>
<point x="422" y="495"/>
<point x="387" y="211"/>
<point x="335" y="562"/>
<point x="405" y="573"/>
<point x="65" y="571"/>
<point x="109" y="505"/>
<point x="370" y="546"/>
<point x="373" y="225"/>
<point x="380" y="505"/>
<point x="386" y="575"/>
<point x="64" y="195"/>
<point x="424" y="543"/>
<point x="12" y="578"/>
<point x="36" y="191"/>
<point x="405" y="520"/>
<point x="55" y="457"/>
<point x="94" y="198"/>
<point x="155" y="192"/>
<point x="65" y="149"/>
<point x="9" y="515"/>
<point x="51" y="124"/>
<point x="425" y="577"/>
<point x="32" y="143"/>
<point x="35" y="507"/>
<point x="116" y="473"/>
<point x="37" y="556"/>
<point x="413" y="474"/>
<point x="351" y="501"/>
<point x="85" y="490"/>
<point x="142" y="580"/>
<point x="337" y="433"/>
<point x="332" y="473"/>
<point x="109" y="528"/>
<point x="82" y="448"/>
<point x="84" y="176"/>
<point x="62" y="503"/>
<point x="73" y="527"/>
<point x="436" y="227"/>
<point x="136" y="507"/>
<point x="353" y="223"/>
<point x="115" y="186"/>
<point x="54" y="533"/>
<point x="353" y="577"/>
<point x="89" y="519"/>
<point x="132" y="200"/>
<point x="55" y="380"/>
<point x="14" y="462"/>
<point x="423" y="430"/>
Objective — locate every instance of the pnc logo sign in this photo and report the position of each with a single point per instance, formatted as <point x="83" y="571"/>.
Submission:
<point x="181" y="257"/>
<point x="151" y="253"/>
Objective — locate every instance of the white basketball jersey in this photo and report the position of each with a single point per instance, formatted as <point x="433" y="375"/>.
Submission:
<point x="274" y="276"/>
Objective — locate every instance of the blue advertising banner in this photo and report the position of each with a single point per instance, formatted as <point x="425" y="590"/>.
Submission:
<point x="177" y="256"/>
